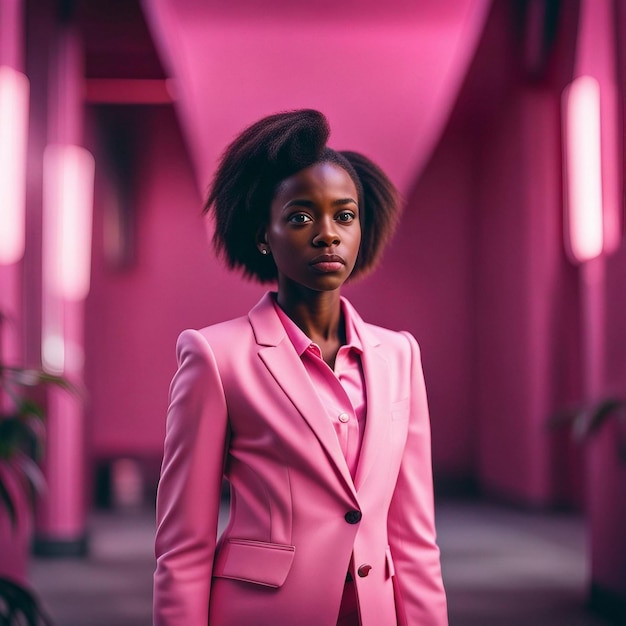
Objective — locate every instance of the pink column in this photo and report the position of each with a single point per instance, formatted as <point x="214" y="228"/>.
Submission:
<point x="14" y="105"/>
<point x="14" y="542"/>
<point x="68" y="185"/>
<point x="605" y="474"/>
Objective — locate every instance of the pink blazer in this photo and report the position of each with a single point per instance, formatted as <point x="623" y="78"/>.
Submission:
<point x="241" y="406"/>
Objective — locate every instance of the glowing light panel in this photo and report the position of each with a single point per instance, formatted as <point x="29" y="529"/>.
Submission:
<point x="68" y="208"/>
<point x="14" y="90"/>
<point x="583" y="169"/>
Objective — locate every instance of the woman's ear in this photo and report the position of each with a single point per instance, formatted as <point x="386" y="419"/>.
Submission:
<point x="261" y="242"/>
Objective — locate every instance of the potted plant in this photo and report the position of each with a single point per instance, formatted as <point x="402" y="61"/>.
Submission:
<point x="22" y="434"/>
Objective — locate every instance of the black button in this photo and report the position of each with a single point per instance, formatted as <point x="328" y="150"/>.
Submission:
<point x="353" y="517"/>
<point x="364" y="570"/>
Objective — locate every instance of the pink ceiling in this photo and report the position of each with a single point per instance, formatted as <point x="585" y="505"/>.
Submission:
<point x="385" y="73"/>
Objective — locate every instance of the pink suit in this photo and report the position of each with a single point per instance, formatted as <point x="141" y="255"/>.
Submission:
<point x="241" y="405"/>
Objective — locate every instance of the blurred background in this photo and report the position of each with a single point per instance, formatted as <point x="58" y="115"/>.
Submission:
<point x="502" y="124"/>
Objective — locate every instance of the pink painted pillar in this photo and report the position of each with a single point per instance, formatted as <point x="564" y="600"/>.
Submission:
<point x="14" y="542"/>
<point x="61" y="525"/>
<point x="605" y="474"/>
<point x="11" y="59"/>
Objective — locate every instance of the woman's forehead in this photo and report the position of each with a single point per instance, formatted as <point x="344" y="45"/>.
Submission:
<point x="321" y="176"/>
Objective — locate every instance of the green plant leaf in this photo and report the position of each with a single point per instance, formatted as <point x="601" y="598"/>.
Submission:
<point x="31" y="377"/>
<point x="7" y="500"/>
<point x="9" y="437"/>
<point x="28" y="407"/>
<point x="20" y="605"/>
<point x="18" y="435"/>
<point x="37" y="438"/>
<point x="591" y="420"/>
<point x="587" y="419"/>
<point x="34" y="478"/>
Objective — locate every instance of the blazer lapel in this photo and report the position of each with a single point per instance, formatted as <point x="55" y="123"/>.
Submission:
<point x="279" y="356"/>
<point x="377" y="389"/>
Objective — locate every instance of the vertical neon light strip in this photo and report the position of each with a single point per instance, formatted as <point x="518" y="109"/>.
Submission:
<point x="68" y="205"/>
<point x="583" y="169"/>
<point x="68" y="209"/>
<point x="14" y="90"/>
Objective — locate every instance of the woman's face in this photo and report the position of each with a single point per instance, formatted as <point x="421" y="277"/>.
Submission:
<point x="314" y="231"/>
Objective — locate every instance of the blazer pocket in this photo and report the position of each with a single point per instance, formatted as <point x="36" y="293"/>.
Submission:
<point x="257" y="562"/>
<point x="400" y="410"/>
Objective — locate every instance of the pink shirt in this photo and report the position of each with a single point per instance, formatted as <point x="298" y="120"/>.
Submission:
<point x="342" y="390"/>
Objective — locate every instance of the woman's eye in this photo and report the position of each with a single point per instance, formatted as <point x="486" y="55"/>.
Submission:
<point x="299" y="218"/>
<point x="346" y="216"/>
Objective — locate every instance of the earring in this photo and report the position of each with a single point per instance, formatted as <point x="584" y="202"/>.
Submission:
<point x="264" y="251"/>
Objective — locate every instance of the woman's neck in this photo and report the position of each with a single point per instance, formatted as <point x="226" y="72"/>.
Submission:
<point x="317" y="313"/>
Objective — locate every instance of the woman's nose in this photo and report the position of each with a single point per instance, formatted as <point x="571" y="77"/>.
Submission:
<point x="327" y="234"/>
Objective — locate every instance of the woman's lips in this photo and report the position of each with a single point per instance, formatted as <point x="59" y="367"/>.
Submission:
<point x="328" y="263"/>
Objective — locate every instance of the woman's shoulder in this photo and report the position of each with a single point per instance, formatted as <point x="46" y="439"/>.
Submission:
<point x="225" y="332"/>
<point x="222" y="345"/>
<point x="401" y="340"/>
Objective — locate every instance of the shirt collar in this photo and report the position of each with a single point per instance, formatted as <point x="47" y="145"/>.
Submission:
<point x="301" y="342"/>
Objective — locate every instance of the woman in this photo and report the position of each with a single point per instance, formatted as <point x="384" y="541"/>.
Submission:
<point x="318" y="420"/>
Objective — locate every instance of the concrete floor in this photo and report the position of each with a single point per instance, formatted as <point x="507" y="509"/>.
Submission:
<point x="502" y="567"/>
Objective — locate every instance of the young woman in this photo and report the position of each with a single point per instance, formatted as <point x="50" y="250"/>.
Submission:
<point x="317" y="419"/>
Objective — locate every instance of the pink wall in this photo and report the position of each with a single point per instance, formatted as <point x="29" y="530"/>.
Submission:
<point x="134" y="315"/>
<point x="526" y="300"/>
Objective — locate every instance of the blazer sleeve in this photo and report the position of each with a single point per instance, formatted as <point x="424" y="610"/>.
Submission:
<point x="418" y="584"/>
<point x="188" y="496"/>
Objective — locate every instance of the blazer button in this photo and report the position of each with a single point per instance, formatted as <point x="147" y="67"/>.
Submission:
<point x="353" y="517"/>
<point x="364" y="570"/>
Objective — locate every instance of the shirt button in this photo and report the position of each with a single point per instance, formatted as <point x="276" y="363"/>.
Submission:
<point x="364" y="570"/>
<point x="353" y="517"/>
<point x="344" y="417"/>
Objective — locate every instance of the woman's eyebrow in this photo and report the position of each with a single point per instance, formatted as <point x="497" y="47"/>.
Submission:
<point x="298" y="202"/>
<point x="309" y="203"/>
